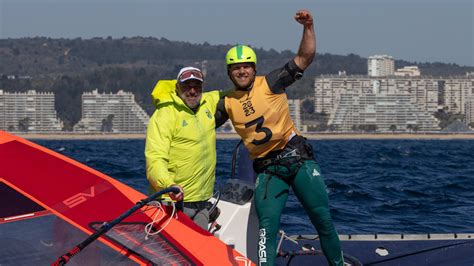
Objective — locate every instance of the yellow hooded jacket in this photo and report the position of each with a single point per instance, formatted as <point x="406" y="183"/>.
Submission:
<point x="180" y="144"/>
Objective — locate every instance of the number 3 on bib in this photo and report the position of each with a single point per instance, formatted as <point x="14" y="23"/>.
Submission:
<point x="259" y="122"/>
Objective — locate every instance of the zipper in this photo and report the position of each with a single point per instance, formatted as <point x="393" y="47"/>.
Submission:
<point x="201" y="132"/>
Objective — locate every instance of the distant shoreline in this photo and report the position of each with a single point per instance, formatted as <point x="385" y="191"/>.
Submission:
<point x="223" y="136"/>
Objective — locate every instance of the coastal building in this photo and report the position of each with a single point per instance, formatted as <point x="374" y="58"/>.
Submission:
<point x="109" y="112"/>
<point x="470" y="111"/>
<point x="455" y="92"/>
<point x="380" y="66"/>
<point x="354" y="101"/>
<point x="295" y="113"/>
<point x="328" y="90"/>
<point x="423" y="91"/>
<point x="408" y="71"/>
<point x="29" y="111"/>
<point x="378" y="112"/>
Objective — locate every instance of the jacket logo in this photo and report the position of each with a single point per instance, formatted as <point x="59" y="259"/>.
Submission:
<point x="184" y="123"/>
<point x="208" y="114"/>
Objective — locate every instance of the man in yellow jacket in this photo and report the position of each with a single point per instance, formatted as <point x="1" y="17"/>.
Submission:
<point x="180" y="146"/>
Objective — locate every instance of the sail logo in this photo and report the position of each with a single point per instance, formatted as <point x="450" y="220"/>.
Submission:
<point x="246" y="261"/>
<point x="79" y="198"/>
<point x="262" y="253"/>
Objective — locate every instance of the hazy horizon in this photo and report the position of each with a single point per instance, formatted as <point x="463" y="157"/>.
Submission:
<point x="416" y="31"/>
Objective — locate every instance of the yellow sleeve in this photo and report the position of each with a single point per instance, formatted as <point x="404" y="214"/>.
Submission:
<point x="158" y="141"/>
<point x="213" y="98"/>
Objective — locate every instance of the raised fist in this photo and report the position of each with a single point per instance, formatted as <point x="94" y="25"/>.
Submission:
<point x="304" y="17"/>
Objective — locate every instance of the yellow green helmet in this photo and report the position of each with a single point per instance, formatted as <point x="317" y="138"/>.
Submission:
<point x="240" y="54"/>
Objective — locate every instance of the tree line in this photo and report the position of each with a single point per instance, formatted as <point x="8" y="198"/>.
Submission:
<point x="69" y="67"/>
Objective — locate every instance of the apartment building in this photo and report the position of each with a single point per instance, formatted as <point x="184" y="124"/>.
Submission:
<point x="109" y="112"/>
<point x="328" y="89"/>
<point x="469" y="110"/>
<point x="295" y="113"/>
<point x="383" y="112"/>
<point x="380" y="66"/>
<point x="455" y="92"/>
<point x="408" y="71"/>
<point x="29" y="111"/>
<point x="422" y="91"/>
<point x="352" y="101"/>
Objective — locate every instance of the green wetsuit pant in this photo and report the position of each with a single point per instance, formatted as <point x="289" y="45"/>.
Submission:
<point x="271" y="194"/>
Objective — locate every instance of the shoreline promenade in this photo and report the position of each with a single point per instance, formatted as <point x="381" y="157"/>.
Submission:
<point x="223" y="136"/>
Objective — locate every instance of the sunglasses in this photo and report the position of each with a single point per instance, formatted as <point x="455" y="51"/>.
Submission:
<point x="184" y="86"/>
<point x="191" y="74"/>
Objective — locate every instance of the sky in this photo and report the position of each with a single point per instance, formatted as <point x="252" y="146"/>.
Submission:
<point x="412" y="30"/>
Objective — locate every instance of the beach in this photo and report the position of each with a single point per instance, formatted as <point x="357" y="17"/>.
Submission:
<point x="223" y="136"/>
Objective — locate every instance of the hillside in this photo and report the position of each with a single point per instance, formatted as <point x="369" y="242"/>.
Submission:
<point x="70" y="66"/>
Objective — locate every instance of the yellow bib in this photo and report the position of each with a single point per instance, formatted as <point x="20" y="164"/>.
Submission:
<point x="261" y="118"/>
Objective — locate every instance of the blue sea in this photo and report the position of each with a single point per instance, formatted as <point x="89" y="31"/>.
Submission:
<point x="374" y="186"/>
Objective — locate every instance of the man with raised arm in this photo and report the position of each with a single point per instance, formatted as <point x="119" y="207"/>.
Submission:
<point x="283" y="158"/>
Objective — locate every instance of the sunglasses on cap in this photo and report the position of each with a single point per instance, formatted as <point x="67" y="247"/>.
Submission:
<point x="191" y="74"/>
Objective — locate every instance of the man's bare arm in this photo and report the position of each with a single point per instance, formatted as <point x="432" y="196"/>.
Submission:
<point x="307" y="49"/>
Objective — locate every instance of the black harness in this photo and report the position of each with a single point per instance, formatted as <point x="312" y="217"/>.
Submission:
<point x="296" y="151"/>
